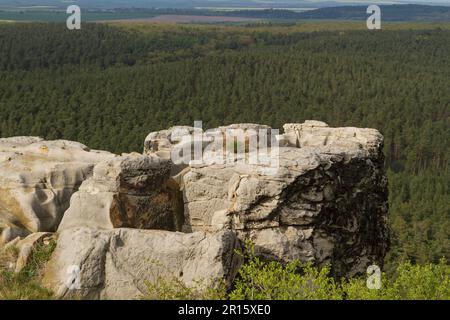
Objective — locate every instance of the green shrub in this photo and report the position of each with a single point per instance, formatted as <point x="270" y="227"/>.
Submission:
<point x="411" y="282"/>
<point x="260" y="280"/>
<point x="427" y="282"/>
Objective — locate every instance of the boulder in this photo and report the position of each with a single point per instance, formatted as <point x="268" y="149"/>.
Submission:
<point x="131" y="191"/>
<point x="326" y="202"/>
<point x="37" y="179"/>
<point x="116" y="264"/>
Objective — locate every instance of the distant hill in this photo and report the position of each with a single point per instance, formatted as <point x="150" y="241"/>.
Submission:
<point x="405" y="12"/>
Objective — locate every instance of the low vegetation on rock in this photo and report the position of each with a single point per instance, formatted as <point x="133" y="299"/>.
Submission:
<point x="26" y="284"/>
<point x="259" y="280"/>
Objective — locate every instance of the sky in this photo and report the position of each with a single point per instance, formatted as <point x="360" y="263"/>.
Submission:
<point x="447" y="2"/>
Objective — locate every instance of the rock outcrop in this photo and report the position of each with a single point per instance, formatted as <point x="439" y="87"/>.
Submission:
<point x="116" y="264"/>
<point x="313" y="193"/>
<point x="131" y="191"/>
<point x="37" y="180"/>
<point x="326" y="203"/>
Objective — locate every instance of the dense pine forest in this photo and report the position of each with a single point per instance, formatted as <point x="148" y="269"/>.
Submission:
<point x="108" y="87"/>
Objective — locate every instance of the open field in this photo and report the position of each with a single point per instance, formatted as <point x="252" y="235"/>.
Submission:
<point x="278" y="28"/>
<point x="187" y="19"/>
<point x="61" y="16"/>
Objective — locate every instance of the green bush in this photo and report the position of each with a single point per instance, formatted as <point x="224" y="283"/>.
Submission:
<point x="260" y="280"/>
<point x="410" y="282"/>
<point x="257" y="280"/>
<point x="428" y="282"/>
<point x="263" y="280"/>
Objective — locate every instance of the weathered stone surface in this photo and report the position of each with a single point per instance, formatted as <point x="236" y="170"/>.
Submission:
<point x="114" y="264"/>
<point x="26" y="247"/>
<point x="318" y="134"/>
<point x="163" y="142"/>
<point x="178" y="143"/>
<point x="126" y="192"/>
<point x="326" y="203"/>
<point x="37" y="179"/>
<point x="15" y="254"/>
<point x="160" y="141"/>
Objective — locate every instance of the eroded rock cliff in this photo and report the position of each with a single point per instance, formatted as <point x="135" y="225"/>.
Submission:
<point x="37" y="180"/>
<point x="122" y="219"/>
<point x="325" y="203"/>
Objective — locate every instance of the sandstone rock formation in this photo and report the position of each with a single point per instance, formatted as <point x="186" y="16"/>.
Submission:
<point x="115" y="264"/>
<point x="163" y="142"/>
<point x="323" y="200"/>
<point x="177" y="143"/>
<point x="326" y="203"/>
<point x="131" y="191"/>
<point x="37" y="179"/>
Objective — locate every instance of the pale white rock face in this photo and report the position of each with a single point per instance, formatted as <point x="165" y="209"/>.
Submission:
<point x="176" y="143"/>
<point x="163" y="142"/>
<point x="115" y="264"/>
<point x="37" y="179"/>
<point x="326" y="203"/>
<point x="319" y="134"/>
<point x="126" y="192"/>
